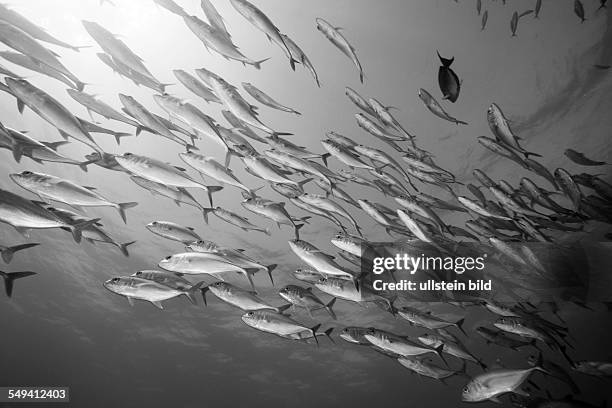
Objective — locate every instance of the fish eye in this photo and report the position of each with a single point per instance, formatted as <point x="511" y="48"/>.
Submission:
<point x="465" y="389"/>
<point x="27" y="173"/>
<point x="168" y="258"/>
<point x="115" y="280"/>
<point x="138" y="273"/>
<point x="127" y="154"/>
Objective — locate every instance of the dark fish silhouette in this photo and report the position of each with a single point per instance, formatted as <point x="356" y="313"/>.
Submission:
<point x="448" y="80"/>
<point x="579" y="10"/>
<point x="580" y="158"/>
<point x="483" y="21"/>
<point x="10" y="277"/>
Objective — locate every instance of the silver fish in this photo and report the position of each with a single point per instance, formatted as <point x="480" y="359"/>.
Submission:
<point x="133" y="287"/>
<point x="265" y="99"/>
<point x="173" y="231"/>
<point x="196" y="86"/>
<point x="434" y="107"/>
<point x="49" y="187"/>
<point x="335" y="37"/>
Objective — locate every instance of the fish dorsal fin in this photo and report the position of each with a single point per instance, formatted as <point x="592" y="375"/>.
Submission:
<point x="130" y="301"/>
<point x="190" y="228"/>
<point x="158" y="304"/>
<point x="54" y="145"/>
<point x="179" y="168"/>
<point x="90" y="188"/>
<point x="240" y="250"/>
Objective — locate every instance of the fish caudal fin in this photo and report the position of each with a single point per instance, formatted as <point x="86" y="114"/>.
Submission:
<point x="205" y="212"/>
<point x="329" y="306"/>
<point x="269" y="269"/>
<point x="313" y="330"/>
<point x="7" y="254"/>
<point x="203" y="292"/>
<point x="191" y="293"/>
<point x="439" y="351"/>
<point x="257" y="64"/>
<point x="124" y="206"/>
<point x="77" y="229"/>
<point x="328" y="333"/>
<point x="119" y="135"/>
<point x="210" y="190"/>
<point x="459" y="324"/>
<point x="10" y="277"/>
<point x="445" y="61"/>
<point x="123" y="248"/>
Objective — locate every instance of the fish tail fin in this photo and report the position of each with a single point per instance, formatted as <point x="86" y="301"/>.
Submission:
<point x="210" y="190"/>
<point x="303" y="182"/>
<point x="192" y="291"/>
<point x="80" y="85"/>
<point x="7" y="254"/>
<point x="269" y="269"/>
<point x="10" y="277"/>
<point x="124" y="206"/>
<point x="77" y="229"/>
<point x="119" y="135"/>
<point x="297" y="230"/>
<point x="83" y="165"/>
<point x="203" y="292"/>
<point x="123" y="247"/>
<point x="459" y="324"/>
<point x="527" y="154"/>
<point x="445" y="61"/>
<point x="328" y="333"/>
<point x="163" y="87"/>
<point x="313" y="330"/>
<point x="205" y="212"/>
<point x="282" y="308"/>
<point x="324" y="158"/>
<point x="257" y="64"/>
<point x="439" y="351"/>
<point x="329" y="306"/>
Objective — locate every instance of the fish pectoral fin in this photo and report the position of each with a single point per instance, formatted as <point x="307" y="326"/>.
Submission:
<point x="495" y="399"/>
<point x="130" y="301"/>
<point x="20" y="105"/>
<point x="23" y="231"/>
<point x="157" y="304"/>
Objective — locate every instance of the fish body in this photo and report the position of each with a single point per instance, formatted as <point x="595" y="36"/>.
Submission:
<point x="136" y="110"/>
<point x="213" y="16"/>
<point x="426" y="369"/>
<point x="447" y="78"/>
<point x="262" y="22"/>
<point x="50" y="110"/>
<point x="276" y="323"/>
<point x="359" y="101"/>
<point x="303" y="297"/>
<point x="427" y="320"/>
<point x="580" y="158"/>
<point x="34" y="31"/>
<point x="265" y="99"/>
<point x="299" y="55"/>
<point x="178" y="195"/>
<point x="502" y="338"/>
<point x="434" y="107"/>
<point x="449" y="346"/>
<point x="296" y="163"/>
<point x="160" y="172"/>
<point x="483" y="20"/>
<point x="236" y="220"/>
<point x="116" y="48"/>
<point x="133" y="287"/>
<point x="320" y="261"/>
<point x="491" y="384"/>
<point x="337" y="39"/>
<point x="211" y="168"/>
<point x="579" y="10"/>
<point x="569" y="187"/>
<point x="196" y="86"/>
<point x="236" y="104"/>
<point x="397" y="344"/>
<point x="238" y="297"/>
<point x="25" y="215"/>
<point x="263" y="169"/>
<point x="344" y="155"/>
<point x="187" y="113"/>
<point x="18" y="40"/>
<point x="328" y="205"/>
<point x="92" y="104"/>
<point x="50" y="187"/>
<point x="20" y="144"/>
<point x="218" y="41"/>
<point x="173" y="231"/>
<point x="500" y="127"/>
<point x="36" y="66"/>
<point x="594" y="368"/>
